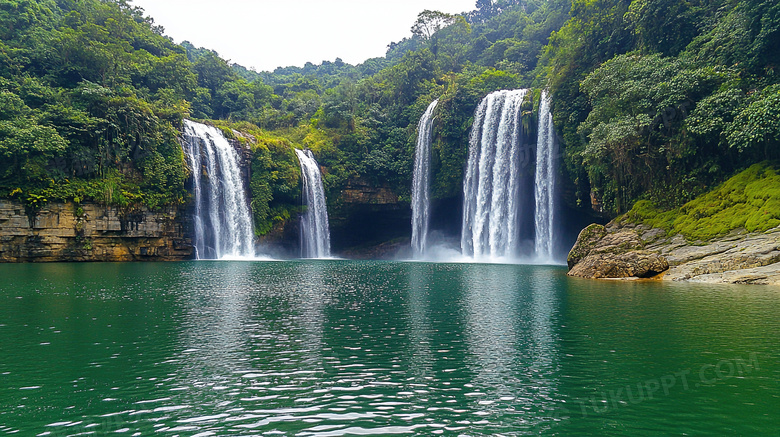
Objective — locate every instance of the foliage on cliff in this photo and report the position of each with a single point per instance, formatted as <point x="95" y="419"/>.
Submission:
<point x="657" y="99"/>
<point x="749" y="200"/>
<point x="91" y="94"/>
<point x="663" y="98"/>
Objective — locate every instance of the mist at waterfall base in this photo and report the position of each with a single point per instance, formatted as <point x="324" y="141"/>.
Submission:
<point x="509" y="209"/>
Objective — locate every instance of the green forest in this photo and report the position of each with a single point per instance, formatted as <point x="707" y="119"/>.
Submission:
<point x="653" y="100"/>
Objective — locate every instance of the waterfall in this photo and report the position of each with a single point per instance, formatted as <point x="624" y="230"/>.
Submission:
<point x="223" y="222"/>
<point x="421" y="182"/>
<point x="315" y="231"/>
<point x="491" y="184"/>
<point x="544" y="186"/>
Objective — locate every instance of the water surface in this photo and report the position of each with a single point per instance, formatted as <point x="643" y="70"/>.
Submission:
<point x="330" y="348"/>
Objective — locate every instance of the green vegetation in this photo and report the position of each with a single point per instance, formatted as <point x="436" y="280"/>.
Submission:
<point x="750" y="200"/>
<point x="653" y="99"/>
<point x="91" y="95"/>
<point x="663" y="98"/>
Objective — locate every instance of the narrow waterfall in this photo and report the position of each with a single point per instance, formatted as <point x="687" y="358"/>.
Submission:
<point x="315" y="231"/>
<point x="223" y="222"/>
<point x="544" y="186"/>
<point x="421" y="182"/>
<point x="491" y="184"/>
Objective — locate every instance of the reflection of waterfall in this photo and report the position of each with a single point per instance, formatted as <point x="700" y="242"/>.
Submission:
<point x="492" y="181"/>
<point x="315" y="231"/>
<point x="421" y="359"/>
<point x="421" y="182"/>
<point x="309" y="301"/>
<point x="491" y="307"/>
<point x="223" y="223"/>
<point x="544" y="186"/>
<point x="510" y="332"/>
<point x="216" y="308"/>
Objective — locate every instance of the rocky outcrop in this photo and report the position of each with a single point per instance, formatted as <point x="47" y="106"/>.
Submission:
<point x="625" y="250"/>
<point x="739" y="257"/>
<point x="619" y="253"/>
<point x="91" y="232"/>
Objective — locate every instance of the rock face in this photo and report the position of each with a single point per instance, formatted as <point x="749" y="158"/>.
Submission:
<point x="617" y="253"/>
<point x="625" y="250"/>
<point x="366" y="219"/>
<point x="90" y="232"/>
<point x="359" y="191"/>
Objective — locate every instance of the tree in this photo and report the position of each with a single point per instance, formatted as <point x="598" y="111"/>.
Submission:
<point x="429" y="22"/>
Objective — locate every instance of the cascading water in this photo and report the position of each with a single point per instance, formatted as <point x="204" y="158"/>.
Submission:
<point x="223" y="223"/>
<point x="421" y="182"/>
<point x="544" y="186"/>
<point x="315" y="231"/>
<point x="491" y="184"/>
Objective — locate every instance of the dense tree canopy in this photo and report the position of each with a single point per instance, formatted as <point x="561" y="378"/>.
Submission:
<point x="653" y="99"/>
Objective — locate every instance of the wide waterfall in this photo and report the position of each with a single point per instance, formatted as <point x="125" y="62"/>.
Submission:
<point x="223" y="222"/>
<point x="421" y="182"/>
<point x="492" y="181"/>
<point x="315" y="231"/>
<point x="544" y="186"/>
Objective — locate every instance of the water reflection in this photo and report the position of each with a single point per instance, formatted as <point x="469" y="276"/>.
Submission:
<point x="509" y="320"/>
<point x="418" y="298"/>
<point x="325" y="348"/>
<point x="308" y="301"/>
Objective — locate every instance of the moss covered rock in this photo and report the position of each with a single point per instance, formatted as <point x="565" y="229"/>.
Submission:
<point x="750" y="200"/>
<point x="586" y="241"/>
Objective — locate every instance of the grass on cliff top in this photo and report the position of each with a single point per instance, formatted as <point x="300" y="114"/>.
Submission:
<point x="749" y="200"/>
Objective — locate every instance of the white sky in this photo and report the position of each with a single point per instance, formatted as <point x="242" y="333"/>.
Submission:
<point x="265" y="34"/>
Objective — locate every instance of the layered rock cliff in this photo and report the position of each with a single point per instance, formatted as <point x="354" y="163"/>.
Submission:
<point x="91" y="232"/>
<point x="625" y="250"/>
<point x="368" y="221"/>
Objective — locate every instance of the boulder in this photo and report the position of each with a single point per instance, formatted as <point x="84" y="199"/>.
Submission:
<point x="632" y="264"/>
<point x="613" y="252"/>
<point x="586" y="241"/>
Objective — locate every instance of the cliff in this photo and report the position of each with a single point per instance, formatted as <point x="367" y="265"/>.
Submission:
<point x="91" y="232"/>
<point x="366" y="221"/>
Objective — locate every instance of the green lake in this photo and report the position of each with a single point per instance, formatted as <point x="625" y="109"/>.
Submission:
<point x="331" y="348"/>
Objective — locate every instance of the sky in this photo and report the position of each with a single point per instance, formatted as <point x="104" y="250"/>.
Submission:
<point x="265" y="34"/>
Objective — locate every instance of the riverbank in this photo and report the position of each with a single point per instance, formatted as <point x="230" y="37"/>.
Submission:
<point x="625" y="250"/>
